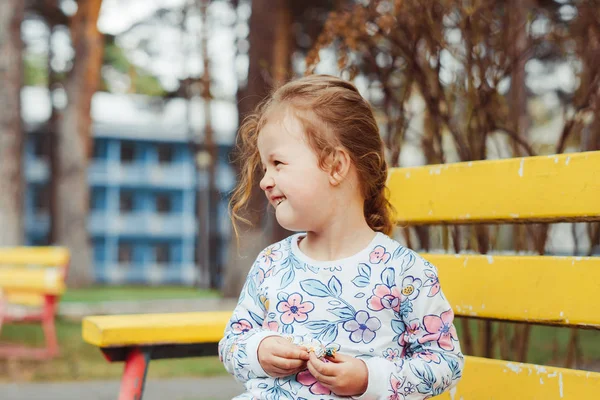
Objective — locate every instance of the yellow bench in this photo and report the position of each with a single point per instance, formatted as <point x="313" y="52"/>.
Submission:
<point x="509" y="288"/>
<point x="32" y="279"/>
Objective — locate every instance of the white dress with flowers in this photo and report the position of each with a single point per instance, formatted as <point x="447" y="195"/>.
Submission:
<point x="383" y="305"/>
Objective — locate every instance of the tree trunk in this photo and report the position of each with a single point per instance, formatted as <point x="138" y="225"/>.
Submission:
<point x="265" y="69"/>
<point x="74" y="141"/>
<point x="11" y="130"/>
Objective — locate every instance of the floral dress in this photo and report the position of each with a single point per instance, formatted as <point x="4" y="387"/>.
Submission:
<point x="383" y="305"/>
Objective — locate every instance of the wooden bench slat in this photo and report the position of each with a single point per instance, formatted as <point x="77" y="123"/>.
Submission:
<point x="503" y="380"/>
<point x="540" y="289"/>
<point x="47" y="256"/>
<point x="544" y="188"/>
<point x="32" y="280"/>
<point x="148" y="329"/>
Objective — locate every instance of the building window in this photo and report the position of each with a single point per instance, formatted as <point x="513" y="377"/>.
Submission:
<point x="41" y="147"/>
<point x="126" y="202"/>
<point x="163" y="204"/>
<point x="127" y="152"/>
<point x="162" y="253"/>
<point x="97" y="153"/>
<point x="41" y="200"/>
<point x="125" y="255"/>
<point x="165" y="154"/>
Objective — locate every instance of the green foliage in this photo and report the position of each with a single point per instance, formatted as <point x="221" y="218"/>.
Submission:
<point x="35" y="71"/>
<point x="142" y="82"/>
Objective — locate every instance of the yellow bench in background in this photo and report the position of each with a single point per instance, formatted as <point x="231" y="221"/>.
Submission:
<point x="538" y="289"/>
<point x="32" y="279"/>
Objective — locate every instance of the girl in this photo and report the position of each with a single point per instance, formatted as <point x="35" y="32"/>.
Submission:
<point x="340" y="310"/>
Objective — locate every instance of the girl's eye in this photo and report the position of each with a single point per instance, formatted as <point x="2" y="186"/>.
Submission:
<point x="276" y="162"/>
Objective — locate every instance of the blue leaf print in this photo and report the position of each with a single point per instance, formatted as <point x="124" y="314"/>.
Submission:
<point x="315" y="288"/>
<point x="335" y="286"/>
<point x="398" y="326"/>
<point x="317" y="325"/>
<point x="288" y="329"/>
<point x="406" y="308"/>
<point x="288" y="278"/>
<point x="282" y="296"/>
<point x="258" y="319"/>
<point x="408" y="258"/>
<point x="262" y="386"/>
<point x="399" y="252"/>
<point x="364" y="276"/>
<point x="360" y="281"/>
<point x="364" y="270"/>
<point x="344" y="312"/>
<point x="359" y="295"/>
<point x="388" y="278"/>
<point x="334" y="303"/>
<point x="329" y="334"/>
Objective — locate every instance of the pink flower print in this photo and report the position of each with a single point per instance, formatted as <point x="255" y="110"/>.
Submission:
<point x="412" y="331"/>
<point x="262" y="275"/>
<point x="396" y="385"/>
<point x="411" y="287"/>
<point x="294" y="309"/>
<point x="440" y="329"/>
<point x="378" y="255"/>
<point x="391" y="354"/>
<point x="241" y="326"/>
<point x="428" y="356"/>
<point x="432" y="282"/>
<point x="271" y="325"/>
<point x="384" y="297"/>
<point x="306" y="379"/>
<point x="270" y="254"/>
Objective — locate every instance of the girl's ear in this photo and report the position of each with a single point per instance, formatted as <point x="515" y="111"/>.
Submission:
<point x="339" y="166"/>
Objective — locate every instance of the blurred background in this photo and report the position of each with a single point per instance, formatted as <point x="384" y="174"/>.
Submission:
<point x="119" y="118"/>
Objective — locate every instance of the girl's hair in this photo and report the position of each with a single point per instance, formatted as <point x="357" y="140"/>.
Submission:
<point x="320" y="101"/>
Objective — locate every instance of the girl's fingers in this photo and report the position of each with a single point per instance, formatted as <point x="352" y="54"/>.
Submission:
<point x="286" y="363"/>
<point x="325" y="369"/>
<point x="319" y="376"/>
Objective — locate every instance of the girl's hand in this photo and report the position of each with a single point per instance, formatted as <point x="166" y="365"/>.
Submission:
<point x="343" y="375"/>
<point x="279" y="358"/>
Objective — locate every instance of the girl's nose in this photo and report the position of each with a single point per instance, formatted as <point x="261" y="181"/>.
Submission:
<point x="267" y="182"/>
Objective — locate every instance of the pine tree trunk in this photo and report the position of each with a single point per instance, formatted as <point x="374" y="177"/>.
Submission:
<point x="11" y="129"/>
<point x="74" y="141"/>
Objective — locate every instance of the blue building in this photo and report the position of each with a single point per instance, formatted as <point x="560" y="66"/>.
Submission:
<point x="143" y="185"/>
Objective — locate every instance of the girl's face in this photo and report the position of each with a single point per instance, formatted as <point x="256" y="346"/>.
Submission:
<point x="295" y="186"/>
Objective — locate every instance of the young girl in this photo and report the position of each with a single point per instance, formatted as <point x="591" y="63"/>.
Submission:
<point x="339" y="310"/>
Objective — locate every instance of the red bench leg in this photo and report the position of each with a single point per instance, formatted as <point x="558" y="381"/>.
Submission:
<point x="134" y="376"/>
<point x="49" y="327"/>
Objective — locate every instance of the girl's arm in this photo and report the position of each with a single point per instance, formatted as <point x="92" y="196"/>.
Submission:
<point x="432" y="363"/>
<point x="244" y="332"/>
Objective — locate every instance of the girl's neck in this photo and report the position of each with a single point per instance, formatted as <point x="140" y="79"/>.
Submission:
<point x="340" y="238"/>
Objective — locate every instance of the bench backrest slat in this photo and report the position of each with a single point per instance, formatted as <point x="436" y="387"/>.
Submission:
<point x="504" y="380"/>
<point x="39" y="256"/>
<point x="539" y="289"/>
<point x="544" y="188"/>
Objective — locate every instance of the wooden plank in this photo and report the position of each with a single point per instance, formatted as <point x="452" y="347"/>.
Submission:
<point x="540" y="289"/>
<point x="149" y="329"/>
<point x="39" y="256"/>
<point x="544" y="188"/>
<point x="502" y="380"/>
<point x="32" y="280"/>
